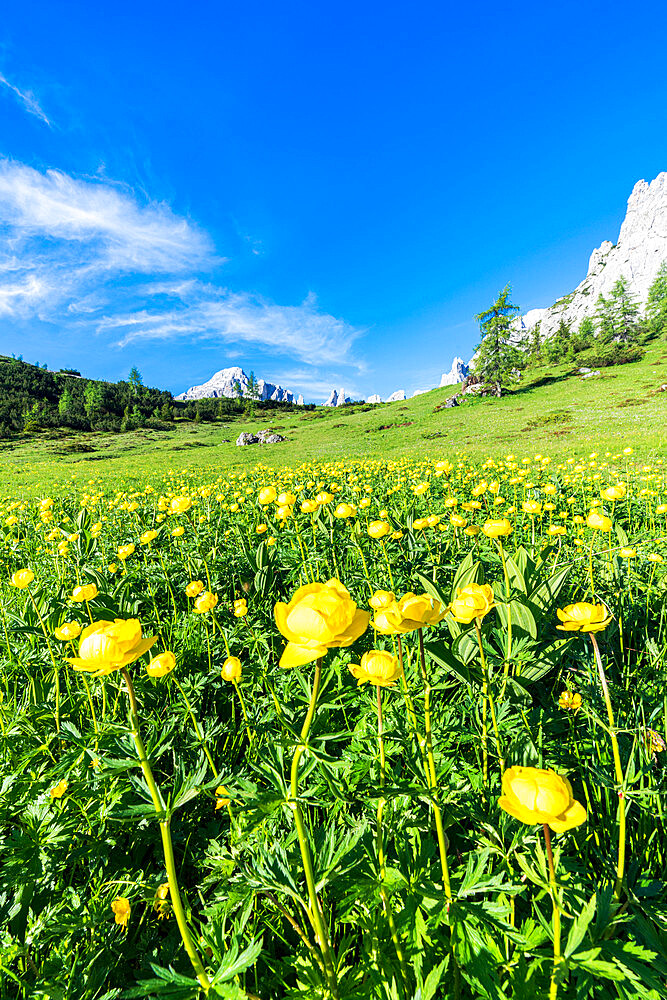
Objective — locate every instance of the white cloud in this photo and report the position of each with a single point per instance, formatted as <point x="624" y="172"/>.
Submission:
<point x="89" y="255"/>
<point x="27" y="99"/>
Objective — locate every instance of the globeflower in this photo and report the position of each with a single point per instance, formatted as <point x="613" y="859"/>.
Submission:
<point x="161" y="665"/>
<point x="231" y="669"/>
<point x="583" y="617"/>
<point x="240" y="608"/>
<point x="86" y="592"/>
<point x="22" y="578"/>
<point x="67" y="631"/>
<point x="320" y="616"/>
<point x="498" y="529"/>
<point x="598" y="521"/>
<point x="266" y="495"/>
<point x="179" y="505"/>
<point x="59" y="790"/>
<point x="194" y="588"/>
<point x="411" y="612"/>
<point x="531" y="507"/>
<point x="378" y="529"/>
<point x="125" y="551"/>
<point x="108" y="646"/>
<point x="205" y="602"/>
<point x="381" y="599"/>
<point x="536" y="796"/>
<point x="121" y="909"/>
<point x="148" y="537"/>
<point x="569" y="701"/>
<point x="377" y="667"/>
<point x="473" y="601"/>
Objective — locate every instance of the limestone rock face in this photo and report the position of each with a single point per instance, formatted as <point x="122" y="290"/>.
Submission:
<point x="225" y="382"/>
<point x="458" y="372"/>
<point x="374" y="398"/>
<point x="299" y="401"/>
<point x="639" y="252"/>
<point x="337" y="397"/>
<point x="396" y="397"/>
<point x="269" y="437"/>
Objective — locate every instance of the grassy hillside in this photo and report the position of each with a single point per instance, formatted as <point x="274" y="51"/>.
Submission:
<point x="553" y="411"/>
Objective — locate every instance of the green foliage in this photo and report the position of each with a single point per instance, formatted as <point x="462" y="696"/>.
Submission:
<point x="498" y="361"/>
<point x="656" y="307"/>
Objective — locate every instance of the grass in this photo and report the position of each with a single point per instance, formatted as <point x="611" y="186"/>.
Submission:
<point x="553" y="411"/>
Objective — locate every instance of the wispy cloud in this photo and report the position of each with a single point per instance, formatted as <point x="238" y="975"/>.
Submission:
<point x="91" y="255"/>
<point x="27" y="99"/>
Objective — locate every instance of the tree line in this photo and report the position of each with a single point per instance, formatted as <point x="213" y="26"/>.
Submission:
<point x="614" y="333"/>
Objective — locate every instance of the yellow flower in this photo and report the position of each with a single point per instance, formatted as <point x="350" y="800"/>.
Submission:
<point x="344" y="510"/>
<point x="412" y="611"/>
<point x="498" y="529"/>
<point x="628" y="553"/>
<point x="457" y="521"/>
<point x="194" y="588"/>
<point x="231" y="669"/>
<point x="286" y="499"/>
<point x="205" y="602"/>
<point x="267" y="495"/>
<point x="125" y="551"/>
<point x="221" y="801"/>
<point x="654" y="741"/>
<point x="599" y="522"/>
<point x="112" y="567"/>
<point x="378" y="529"/>
<point x="67" y="631"/>
<point x="177" y="532"/>
<point x="179" y="505"/>
<point x="377" y="667"/>
<point x="473" y="601"/>
<point x="240" y="608"/>
<point x="108" y="646"/>
<point x="161" y="903"/>
<point x="661" y="508"/>
<point x="161" y="664"/>
<point x="261" y="528"/>
<point x="556" y="529"/>
<point x="22" y="578"/>
<point x="381" y="599"/>
<point x="59" y="790"/>
<point x="148" y="537"/>
<point x="86" y="592"/>
<point x="121" y="909"/>
<point x="654" y="557"/>
<point x="531" y="507"/>
<point x="613" y="493"/>
<point x="320" y="616"/>
<point x="309" y="506"/>
<point x="569" y="701"/>
<point x="583" y="617"/>
<point x="536" y="796"/>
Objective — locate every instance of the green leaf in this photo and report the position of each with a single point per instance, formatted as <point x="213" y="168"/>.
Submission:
<point x="444" y="657"/>
<point x="522" y="617"/>
<point x="580" y="926"/>
<point x="546" y="593"/>
<point x="428" y="990"/>
<point x="469" y="571"/>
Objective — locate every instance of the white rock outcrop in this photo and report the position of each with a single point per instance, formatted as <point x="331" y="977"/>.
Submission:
<point x="396" y="397"/>
<point x="225" y="383"/>
<point x="639" y="252"/>
<point x="458" y="372"/>
<point x="299" y="401"/>
<point x="337" y="397"/>
<point x="374" y="398"/>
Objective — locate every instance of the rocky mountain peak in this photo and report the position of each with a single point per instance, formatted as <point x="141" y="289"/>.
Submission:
<point x="637" y="256"/>
<point x="232" y="382"/>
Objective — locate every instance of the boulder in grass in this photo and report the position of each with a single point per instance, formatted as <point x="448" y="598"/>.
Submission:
<point x="246" y="438"/>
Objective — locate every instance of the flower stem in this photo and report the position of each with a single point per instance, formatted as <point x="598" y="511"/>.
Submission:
<point x="618" y="769"/>
<point x="386" y="902"/>
<point x="245" y="712"/>
<point x="165" y="833"/>
<point x="316" y="915"/>
<point x="488" y="697"/>
<point x="433" y="782"/>
<point x="553" y="986"/>
<point x="53" y="659"/>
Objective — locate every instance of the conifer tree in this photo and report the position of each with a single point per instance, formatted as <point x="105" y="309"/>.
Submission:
<point x="498" y="360"/>
<point x="656" y="306"/>
<point x="624" y="312"/>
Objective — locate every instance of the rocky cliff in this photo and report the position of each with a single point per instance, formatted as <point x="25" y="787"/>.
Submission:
<point x="225" y="382"/>
<point x="636" y="256"/>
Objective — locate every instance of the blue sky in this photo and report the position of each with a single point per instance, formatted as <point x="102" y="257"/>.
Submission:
<point x="324" y="193"/>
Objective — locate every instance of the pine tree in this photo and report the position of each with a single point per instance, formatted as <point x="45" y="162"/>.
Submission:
<point x="656" y="306"/>
<point x="605" y="319"/>
<point x="624" y="312"/>
<point x="135" y="380"/>
<point x="498" y="361"/>
<point x="585" y="335"/>
<point x="535" y="345"/>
